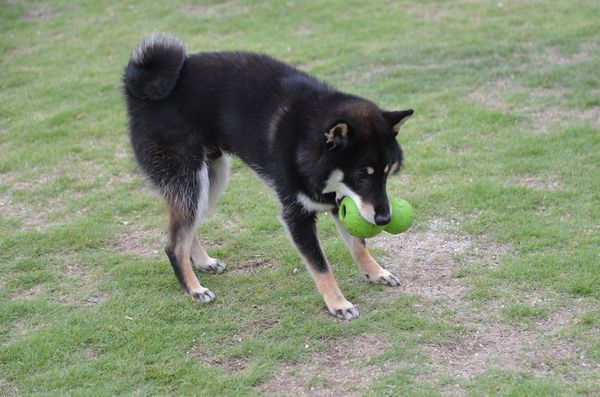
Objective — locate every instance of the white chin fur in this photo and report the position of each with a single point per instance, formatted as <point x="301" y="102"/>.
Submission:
<point x="335" y="185"/>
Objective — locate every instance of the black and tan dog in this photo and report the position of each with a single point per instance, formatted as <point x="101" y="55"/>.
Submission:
<point x="309" y="142"/>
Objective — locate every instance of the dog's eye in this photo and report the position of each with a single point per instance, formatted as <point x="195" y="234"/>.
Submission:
<point x="361" y="173"/>
<point x="364" y="173"/>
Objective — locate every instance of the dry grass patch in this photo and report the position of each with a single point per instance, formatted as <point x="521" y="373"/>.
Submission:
<point x="342" y="369"/>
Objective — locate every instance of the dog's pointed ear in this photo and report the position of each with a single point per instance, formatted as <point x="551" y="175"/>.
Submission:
<point x="396" y="119"/>
<point x="337" y="136"/>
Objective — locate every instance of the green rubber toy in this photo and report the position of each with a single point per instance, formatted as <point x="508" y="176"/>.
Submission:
<point x="402" y="217"/>
<point x="356" y="225"/>
<point x="353" y="221"/>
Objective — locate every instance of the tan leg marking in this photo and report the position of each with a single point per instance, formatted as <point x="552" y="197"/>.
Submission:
<point x="202" y="261"/>
<point x="332" y="295"/>
<point x="360" y="254"/>
<point x="370" y="267"/>
<point x="182" y="252"/>
<point x="196" y="291"/>
<point x="179" y="243"/>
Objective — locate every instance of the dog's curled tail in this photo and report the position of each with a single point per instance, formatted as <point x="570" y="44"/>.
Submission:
<point x="154" y="67"/>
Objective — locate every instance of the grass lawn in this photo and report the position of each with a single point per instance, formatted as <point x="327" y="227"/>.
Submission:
<point x="500" y="272"/>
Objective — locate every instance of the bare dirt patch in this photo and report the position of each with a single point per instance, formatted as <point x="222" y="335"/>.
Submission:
<point x="39" y="13"/>
<point x="495" y="95"/>
<point x="491" y="95"/>
<point x="217" y="10"/>
<point x="8" y="389"/>
<point x="545" y="182"/>
<point x="37" y="181"/>
<point x="263" y="323"/>
<point x="368" y="73"/>
<point x="20" y="329"/>
<point x="464" y="357"/>
<point x="7" y="177"/>
<point x="310" y="65"/>
<point x="28" y="294"/>
<point x="227" y="364"/>
<point x="552" y="56"/>
<point x="42" y="213"/>
<point x="29" y="216"/>
<point x="539" y="350"/>
<point x="342" y="369"/>
<point x="545" y="107"/>
<point x="456" y="149"/>
<point x="426" y="262"/>
<point x="303" y="30"/>
<point x="547" y="118"/>
<point x="140" y="242"/>
<point x="253" y="265"/>
<point x="426" y="12"/>
<point x="79" y="283"/>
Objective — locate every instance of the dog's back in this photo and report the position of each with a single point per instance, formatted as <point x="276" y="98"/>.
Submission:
<point x="230" y="101"/>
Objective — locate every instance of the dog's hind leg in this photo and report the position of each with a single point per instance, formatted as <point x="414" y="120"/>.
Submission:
<point x="187" y="201"/>
<point x="218" y="173"/>
<point x="369" y="266"/>
<point x="302" y="231"/>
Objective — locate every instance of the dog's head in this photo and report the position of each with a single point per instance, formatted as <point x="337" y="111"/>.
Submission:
<point x="362" y="150"/>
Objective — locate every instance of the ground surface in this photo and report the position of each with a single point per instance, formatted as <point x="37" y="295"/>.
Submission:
<point x="500" y="272"/>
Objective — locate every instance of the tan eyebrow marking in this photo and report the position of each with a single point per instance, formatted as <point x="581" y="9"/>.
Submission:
<point x="370" y="170"/>
<point x="386" y="169"/>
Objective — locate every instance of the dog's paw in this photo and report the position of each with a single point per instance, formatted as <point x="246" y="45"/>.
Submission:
<point x="347" y="311"/>
<point x="213" y="266"/>
<point x="384" y="277"/>
<point x="203" y="295"/>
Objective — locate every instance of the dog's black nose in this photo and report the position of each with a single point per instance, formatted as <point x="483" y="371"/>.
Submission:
<point x="381" y="220"/>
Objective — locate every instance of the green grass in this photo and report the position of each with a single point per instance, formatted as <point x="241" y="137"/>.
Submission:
<point x="505" y="141"/>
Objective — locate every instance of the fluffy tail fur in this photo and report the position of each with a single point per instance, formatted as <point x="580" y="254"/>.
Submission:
<point x="154" y="67"/>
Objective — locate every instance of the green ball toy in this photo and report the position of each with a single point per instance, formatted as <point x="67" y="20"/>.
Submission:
<point x="402" y="217"/>
<point x="356" y="225"/>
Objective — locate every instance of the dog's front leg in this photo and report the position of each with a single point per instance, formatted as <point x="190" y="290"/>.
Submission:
<point x="302" y="231"/>
<point x="369" y="266"/>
